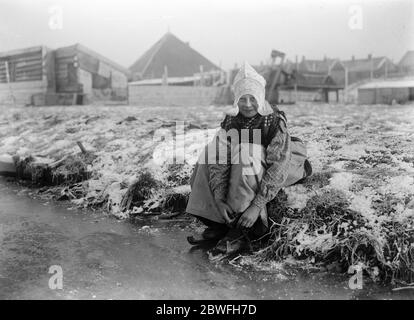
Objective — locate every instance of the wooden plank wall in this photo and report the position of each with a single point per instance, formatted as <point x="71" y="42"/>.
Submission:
<point x="22" y="67"/>
<point x="66" y="70"/>
<point x="28" y="70"/>
<point x="115" y="86"/>
<point x="22" y="91"/>
<point x="49" y="65"/>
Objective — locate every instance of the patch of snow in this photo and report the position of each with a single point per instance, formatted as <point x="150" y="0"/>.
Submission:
<point x="400" y="186"/>
<point x="362" y="203"/>
<point x="341" y="181"/>
<point x="353" y="151"/>
<point x="298" y="196"/>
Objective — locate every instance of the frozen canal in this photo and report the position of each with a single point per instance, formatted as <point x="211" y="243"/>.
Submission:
<point x="103" y="258"/>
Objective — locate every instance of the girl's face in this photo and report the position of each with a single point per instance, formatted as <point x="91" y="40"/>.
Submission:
<point x="248" y="105"/>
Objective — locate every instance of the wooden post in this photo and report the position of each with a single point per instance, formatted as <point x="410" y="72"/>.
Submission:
<point x="346" y="85"/>
<point x="371" y="73"/>
<point x="201" y="76"/>
<point x="165" y="76"/>
<point x="296" y="92"/>
<point x="81" y="147"/>
<point x="74" y="99"/>
<point x="276" y="77"/>
<point x="6" y="64"/>
<point x="386" y="69"/>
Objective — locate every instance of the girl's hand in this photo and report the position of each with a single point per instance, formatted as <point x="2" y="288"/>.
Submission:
<point x="249" y="217"/>
<point x="224" y="210"/>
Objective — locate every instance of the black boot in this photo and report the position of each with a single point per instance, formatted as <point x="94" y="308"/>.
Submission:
<point x="234" y="241"/>
<point x="213" y="233"/>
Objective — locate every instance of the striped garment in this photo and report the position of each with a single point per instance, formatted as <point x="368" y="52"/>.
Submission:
<point x="276" y="140"/>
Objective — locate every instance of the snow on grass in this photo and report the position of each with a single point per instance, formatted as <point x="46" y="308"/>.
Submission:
<point x="341" y="181"/>
<point x="362" y="156"/>
<point x="298" y="196"/>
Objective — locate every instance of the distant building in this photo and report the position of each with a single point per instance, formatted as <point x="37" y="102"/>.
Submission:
<point x="369" y="68"/>
<point x="65" y="76"/>
<point x="331" y="67"/>
<point x="172" y="58"/>
<point x="90" y="75"/>
<point x="309" y="86"/>
<point x="299" y="82"/>
<point x="406" y="64"/>
<point x="386" y="91"/>
<point x="171" y="73"/>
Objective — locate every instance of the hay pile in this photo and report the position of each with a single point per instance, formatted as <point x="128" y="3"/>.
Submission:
<point x="148" y="195"/>
<point x="62" y="179"/>
<point x="67" y="171"/>
<point x="327" y="233"/>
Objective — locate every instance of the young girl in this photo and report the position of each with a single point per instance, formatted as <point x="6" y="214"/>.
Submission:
<point x="229" y="191"/>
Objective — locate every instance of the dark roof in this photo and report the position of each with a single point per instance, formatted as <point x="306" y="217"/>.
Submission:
<point x="181" y="60"/>
<point x="363" y="64"/>
<point x="407" y="59"/>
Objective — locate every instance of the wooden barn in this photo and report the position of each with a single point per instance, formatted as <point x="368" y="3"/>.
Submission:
<point x="170" y="57"/>
<point x="174" y="74"/>
<point x="26" y="73"/>
<point x="65" y="76"/>
<point x="89" y="76"/>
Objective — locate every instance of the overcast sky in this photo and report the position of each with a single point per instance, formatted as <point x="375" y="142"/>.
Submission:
<point x="224" y="31"/>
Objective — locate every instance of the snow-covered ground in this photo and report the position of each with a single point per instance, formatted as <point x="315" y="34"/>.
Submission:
<point x="364" y="152"/>
<point x="369" y="149"/>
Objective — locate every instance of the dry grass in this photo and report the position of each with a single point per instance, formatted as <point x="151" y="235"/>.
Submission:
<point x="358" y="206"/>
<point x="328" y="232"/>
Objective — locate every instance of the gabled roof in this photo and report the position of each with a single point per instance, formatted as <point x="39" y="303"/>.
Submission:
<point x="77" y="47"/>
<point x="323" y="66"/>
<point x="407" y="59"/>
<point x="22" y="51"/>
<point x="364" y="64"/>
<point x="181" y="60"/>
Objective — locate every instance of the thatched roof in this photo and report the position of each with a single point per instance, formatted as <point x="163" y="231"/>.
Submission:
<point x="181" y="60"/>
